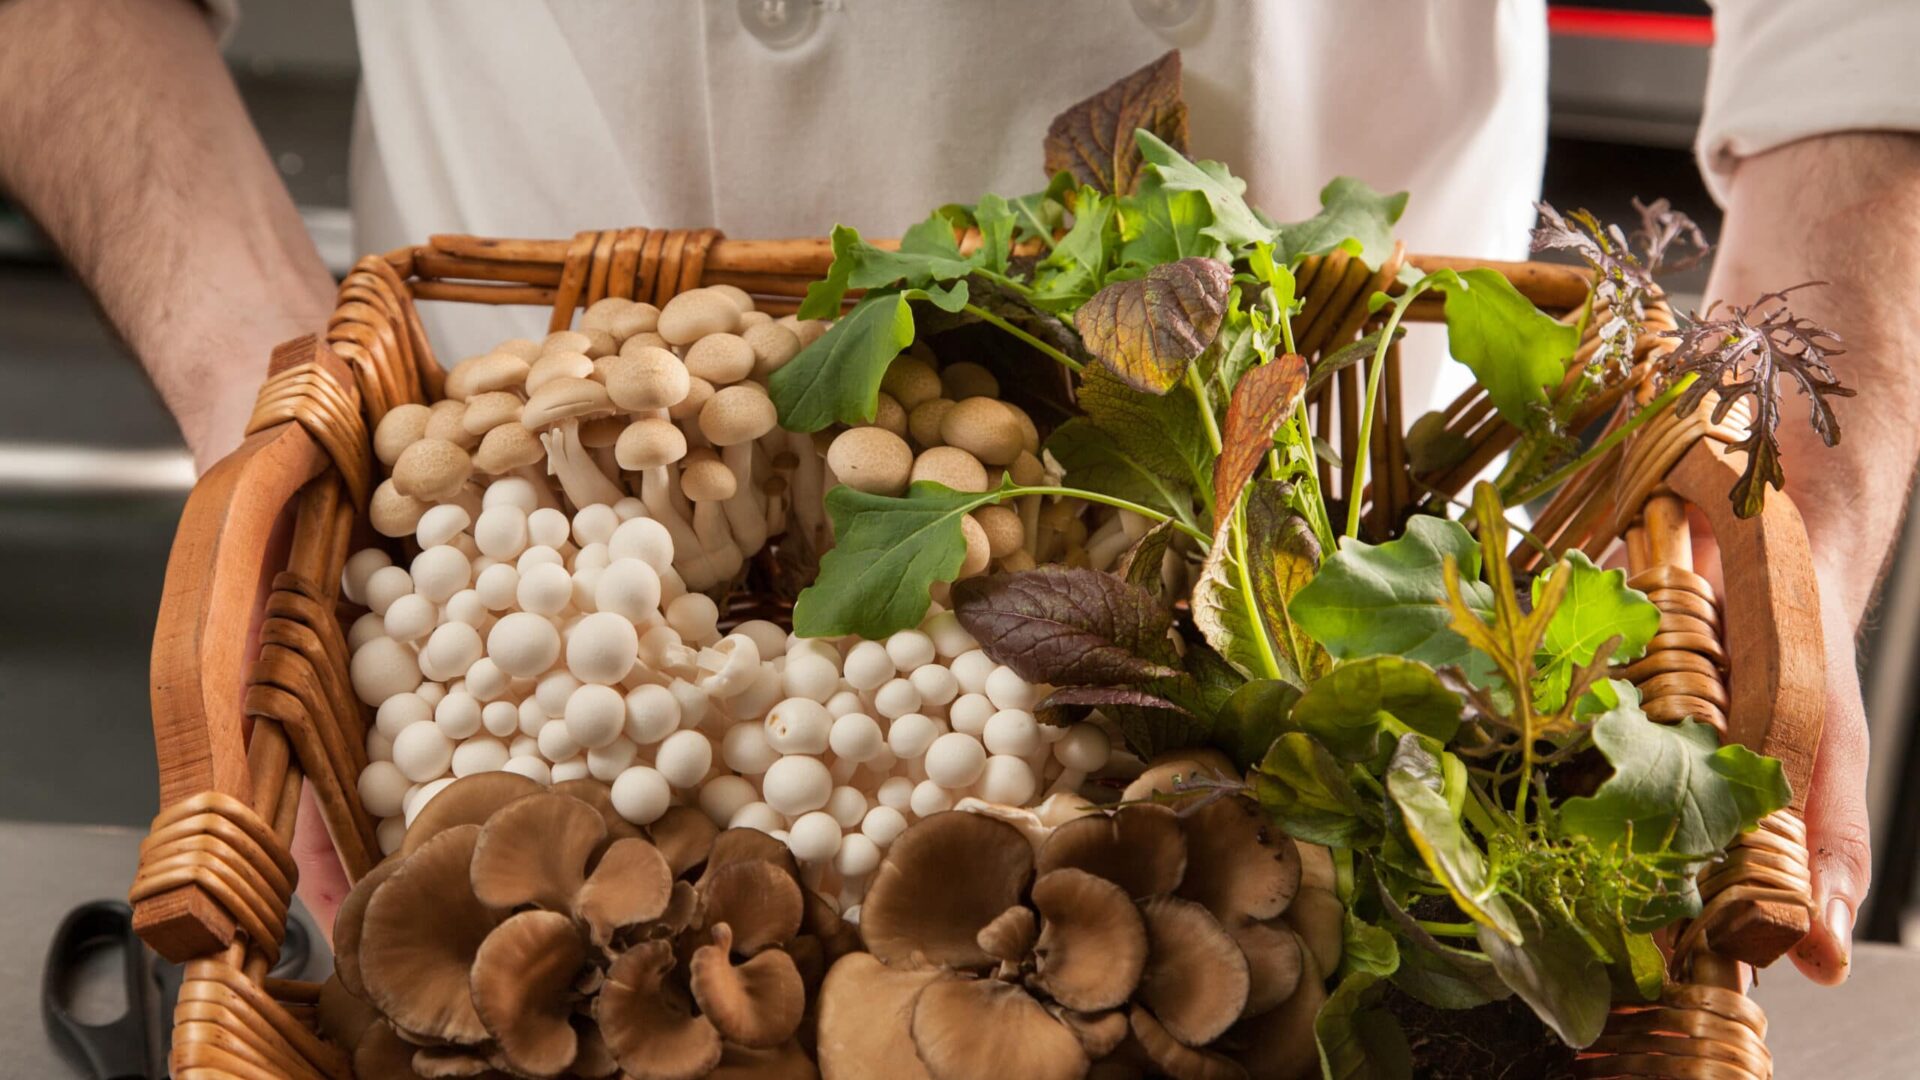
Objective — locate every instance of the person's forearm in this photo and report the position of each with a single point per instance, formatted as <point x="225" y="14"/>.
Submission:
<point x="1843" y="209"/>
<point x="122" y="134"/>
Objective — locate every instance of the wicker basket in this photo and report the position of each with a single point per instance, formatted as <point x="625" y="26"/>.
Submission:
<point x="264" y="535"/>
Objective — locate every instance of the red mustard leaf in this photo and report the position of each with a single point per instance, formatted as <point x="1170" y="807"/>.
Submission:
<point x="1149" y="329"/>
<point x="1093" y="140"/>
<point x="1063" y="625"/>
<point x="1261" y="400"/>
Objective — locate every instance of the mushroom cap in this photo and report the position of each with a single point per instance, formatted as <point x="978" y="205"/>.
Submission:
<point x="1196" y="979"/>
<point x="598" y="434"/>
<point x="1011" y="934"/>
<point x="564" y="398"/>
<point x="916" y="904"/>
<point x="1163" y="773"/>
<point x="649" y="443"/>
<point x="446" y="419"/>
<point x="923" y="422"/>
<point x="632" y="884"/>
<point x="759" y="900"/>
<point x="984" y="428"/>
<point x="600" y="343"/>
<point x="1280" y="1042"/>
<point x="871" y="459"/>
<point x="647" y="1023"/>
<point x="684" y="836"/>
<point x="1029" y="434"/>
<point x="349" y="922"/>
<point x="720" y="358"/>
<point x="393" y="514"/>
<point x="1317" y="915"/>
<point x="497" y="370"/>
<point x="890" y="414"/>
<point x="422" y="928"/>
<point x="470" y="800"/>
<point x="773" y="347"/>
<point x="489" y="410"/>
<point x="343" y="1018"/>
<point x="910" y="380"/>
<point x="1139" y="847"/>
<point x="979" y="550"/>
<point x="985" y="1027"/>
<point x="1093" y="941"/>
<point x="522" y="985"/>
<point x="1239" y="865"/>
<point x="643" y="378"/>
<point x="964" y="379"/>
<point x="865" y="1017"/>
<point x="382" y="1054"/>
<point x="432" y="470"/>
<point x="534" y="851"/>
<point x="1099" y="1033"/>
<point x="601" y="314"/>
<point x="1027" y="469"/>
<point x="599" y="795"/>
<point x="951" y="466"/>
<point x="1001" y="524"/>
<point x="757" y="1004"/>
<point x="742" y="299"/>
<point x="705" y="478"/>
<point x="404" y="425"/>
<point x="558" y="365"/>
<point x="737" y="414"/>
<point x="698" y="392"/>
<point x="1274" y="960"/>
<point x="1178" y="1060"/>
<point x="696" y="313"/>
<point x="508" y="447"/>
<point x="565" y="341"/>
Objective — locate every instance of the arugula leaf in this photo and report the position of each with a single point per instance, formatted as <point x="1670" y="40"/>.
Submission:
<point x="1357" y="1037"/>
<point x="1149" y="329"/>
<point x="1514" y="349"/>
<point x="1596" y="606"/>
<point x="1073" y="272"/>
<point x="1310" y="795"/>
<point x="1163" y="434"/>
<point x="1452" y="857"/>
<point x="1370" y="599"/>
<point x="1235" y="224"/>
<point x="996" y="220"/>
<point x="1550" y="966"/>
<point x="928" y="253"/>
<point x="1039" y="215"/>
<point x="1673" y="785"/>
<point x="1240" y="600"/>
<point x="889" y="552"/>
<point x="1162" y="226"/>
<point x="837" y="378"/>
<point x="1093" y="139"/>
<point x="1361" y="708"/>
<point x="1352" y="216"/>
<point x="1068" y="626"/>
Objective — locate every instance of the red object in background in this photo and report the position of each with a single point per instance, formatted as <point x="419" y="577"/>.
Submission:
<point x="1652" y="27"/>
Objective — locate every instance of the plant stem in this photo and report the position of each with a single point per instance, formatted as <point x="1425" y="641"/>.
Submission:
<point x="1449" y="929"/>
<point x="1117" y="503"/>
<point x="988" y="316"/>
<point x="1269" y="659"/>
<point x="1612" y="439"/>
<point x="1003" y="280"/>
<point x="1206" y="407"/>
<point x="1322" y="525"/>
<point x="1358" y="485"/>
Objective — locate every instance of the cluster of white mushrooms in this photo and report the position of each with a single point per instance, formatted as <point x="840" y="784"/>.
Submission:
<point x="667" y="404"/>
<point x="559" y="647"/>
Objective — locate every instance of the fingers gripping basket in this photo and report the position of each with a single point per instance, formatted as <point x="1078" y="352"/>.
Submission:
<point x="251" y="695"/>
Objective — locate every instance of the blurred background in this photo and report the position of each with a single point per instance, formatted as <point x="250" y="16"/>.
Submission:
<point x="87" y="509"/>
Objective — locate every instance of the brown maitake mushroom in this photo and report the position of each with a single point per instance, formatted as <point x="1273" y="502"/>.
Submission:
<point x="1148" y="939"/>
<point x="529" y="932"/>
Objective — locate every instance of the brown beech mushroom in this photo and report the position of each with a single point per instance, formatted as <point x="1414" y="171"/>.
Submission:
<point x="951" y="466"/>
<point x="646" y="378"/>
<point x="984" y="428"/>
<point x="871" y="459"/>
<point x="445" y="420"/>
<point x="393" y="514"/>
<point x="508" y="447"/>
<point x="923" y="423"/>
<point x="890" y="414"/>
<point x="497" y="370"/>
<point x="698" y="393"/>
<point x="979" y="551"/>
<point x="734" y="419"/>
<point x="910" y="380"/>
<point x="966" y="379"/>
<point x="558" y="365"/>
<point x="742" y="299"/>
<point x="650" y="443"/>
<point x="696" y="313"/>
<point x="432" y="470"/>
<point x="773" y="346"/>
<point x="721" y="359"/>
<point x="404" y="425"/>
<point x="1003" y="530"/>
<point x="555" y="410"/>
<point x="489" y="410"/>
<point x="707" y="483"/>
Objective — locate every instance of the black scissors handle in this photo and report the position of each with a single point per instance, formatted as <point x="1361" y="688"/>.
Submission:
<point x="122" y="1048"/>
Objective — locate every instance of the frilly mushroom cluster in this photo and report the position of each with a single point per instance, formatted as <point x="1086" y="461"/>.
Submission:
<point x="668" y="404"/>
<point x="1147" y="940"/>
<point x="535" y="933"/>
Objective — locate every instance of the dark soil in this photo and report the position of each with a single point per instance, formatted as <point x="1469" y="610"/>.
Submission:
<point x="1500" y="1041"/>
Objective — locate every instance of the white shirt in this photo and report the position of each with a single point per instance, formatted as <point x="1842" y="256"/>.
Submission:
<point x="539" y="118"/>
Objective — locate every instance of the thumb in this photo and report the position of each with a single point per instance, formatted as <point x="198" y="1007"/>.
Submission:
<point x="1839" y="842"/>
<point x="323" y="884"/>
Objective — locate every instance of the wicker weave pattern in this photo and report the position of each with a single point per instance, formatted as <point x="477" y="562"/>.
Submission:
<point x="307" y="723"/>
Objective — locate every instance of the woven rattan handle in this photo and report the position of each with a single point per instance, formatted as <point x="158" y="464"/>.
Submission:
<point x="218" y="578"/>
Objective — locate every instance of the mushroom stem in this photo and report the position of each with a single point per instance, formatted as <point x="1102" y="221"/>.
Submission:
<point x="710" y="525"/>
<point x="542" y="490"/>
<point x="695" y="570"/>
<point x="746" y="512"/>
<point x="1105" y="547"/>
<point x="808" y="494"/>
<point x="570" y="463"/>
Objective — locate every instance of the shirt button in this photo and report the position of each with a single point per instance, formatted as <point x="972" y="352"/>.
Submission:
<point x="778" y="24"/>
<point x="1165" y="14"/>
